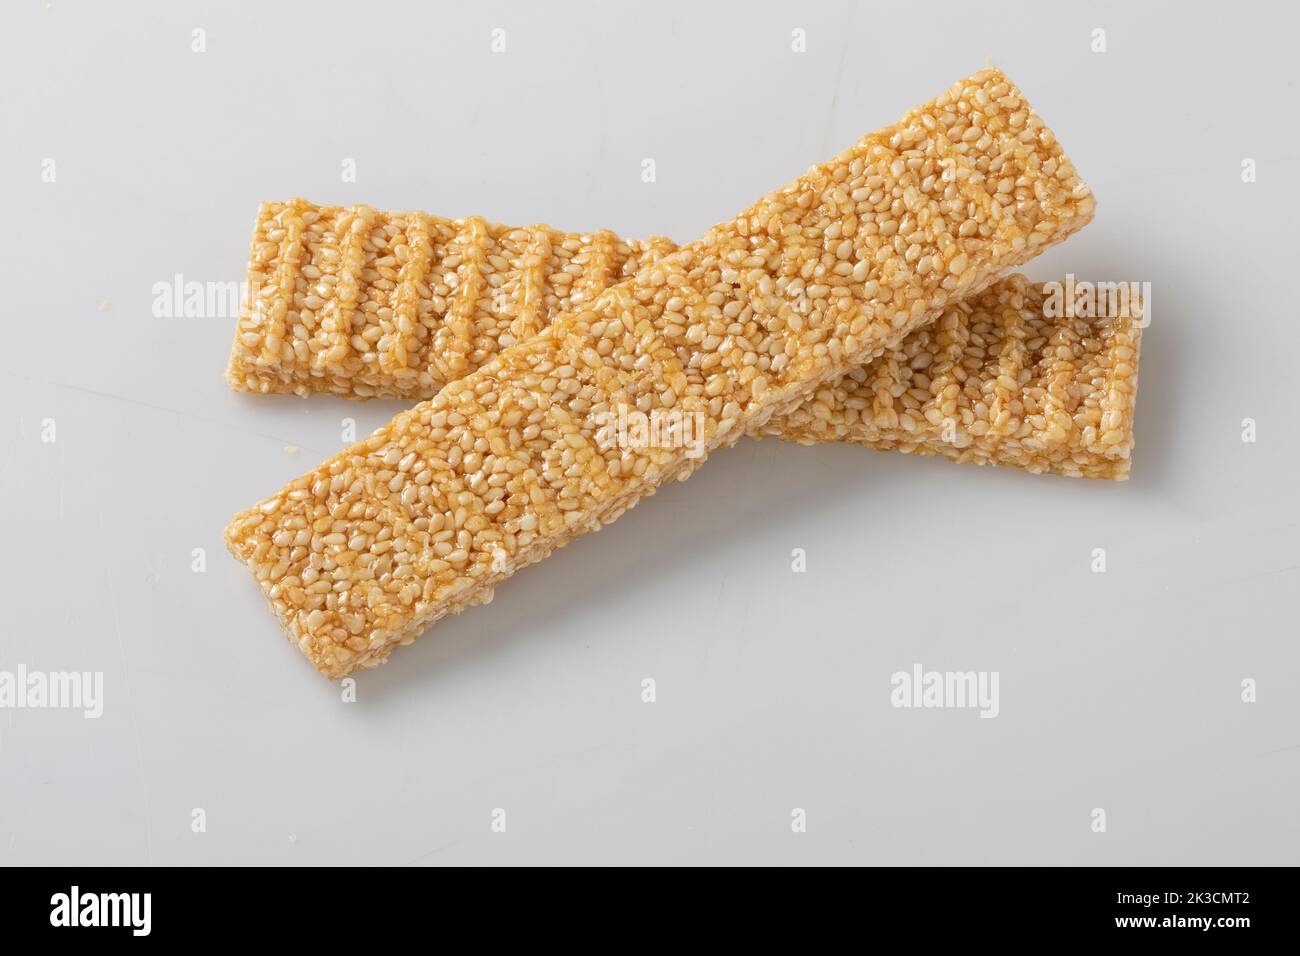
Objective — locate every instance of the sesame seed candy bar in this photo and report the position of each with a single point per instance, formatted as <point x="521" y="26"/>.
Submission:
<point x="505" y="465"/>
<point x="994" y="381"/>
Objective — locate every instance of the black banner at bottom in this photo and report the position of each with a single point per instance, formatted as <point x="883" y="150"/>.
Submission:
<point x="214" y="905"/>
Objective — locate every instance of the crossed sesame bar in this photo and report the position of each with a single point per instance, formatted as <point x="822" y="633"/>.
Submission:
<point x="503" y="466"/>
<point x="364" y="304"/>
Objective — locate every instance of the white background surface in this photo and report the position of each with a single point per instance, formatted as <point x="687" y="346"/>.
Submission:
<point x="1119" y="691"/>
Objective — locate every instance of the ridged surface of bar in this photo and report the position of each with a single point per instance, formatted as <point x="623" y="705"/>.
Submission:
<point x="1001" y="378"/>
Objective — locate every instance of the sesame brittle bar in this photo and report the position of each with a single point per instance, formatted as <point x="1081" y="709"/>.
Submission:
<point x="501" y="467"/>
<point x="996" y="380"/>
